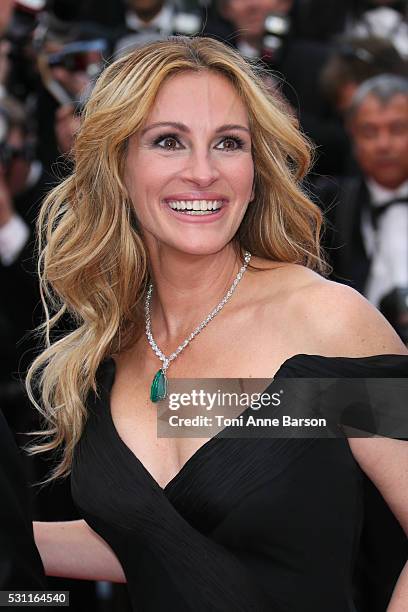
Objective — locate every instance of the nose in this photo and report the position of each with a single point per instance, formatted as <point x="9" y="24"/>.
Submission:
<point x="384" y="140"/>
<point x="201" y="169"/>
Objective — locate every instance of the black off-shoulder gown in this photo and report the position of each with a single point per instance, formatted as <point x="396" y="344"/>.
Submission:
<point x="246" y="525"/>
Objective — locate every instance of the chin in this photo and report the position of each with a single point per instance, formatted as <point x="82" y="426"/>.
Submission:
<point x="390" y="181"/>
<point x="201" y="249"/>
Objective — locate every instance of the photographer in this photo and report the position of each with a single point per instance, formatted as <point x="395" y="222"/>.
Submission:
<point x="68" y="75"/>
<point x="69" y="54"/>
<point x="22" y="77"/>
<point x="21" y="189"/>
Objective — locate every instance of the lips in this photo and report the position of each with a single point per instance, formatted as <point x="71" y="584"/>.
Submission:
<point x="195" y="196"/>
<point x="196" y="205"/>
<point x="193" y="210"/>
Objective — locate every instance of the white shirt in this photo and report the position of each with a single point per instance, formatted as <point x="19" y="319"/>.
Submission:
<point x="13" y="236"/>
<point x="159" y="27"/>
<point x="383" y="22"/>
<point x="388" y="245"/>
<point x="15" y="233"/>
<point x="162" y="21"/>
<point x="247" y="50"/>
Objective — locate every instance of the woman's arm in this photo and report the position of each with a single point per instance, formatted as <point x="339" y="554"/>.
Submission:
<point x="399" y="599"/>
<point x="348" y="325"/>
<point x="385" y="461"/>
<point x="71" y="549"/>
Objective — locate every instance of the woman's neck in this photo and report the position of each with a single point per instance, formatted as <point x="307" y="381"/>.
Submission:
<point x="187" y="288"/>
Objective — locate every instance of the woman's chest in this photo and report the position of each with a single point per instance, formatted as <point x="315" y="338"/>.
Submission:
<point x="290" y="484"/>
<point x="144" y="426"/>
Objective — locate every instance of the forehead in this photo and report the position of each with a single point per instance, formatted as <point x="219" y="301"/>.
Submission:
<point x="199" y="98"/>
<point x="374" y="109"/>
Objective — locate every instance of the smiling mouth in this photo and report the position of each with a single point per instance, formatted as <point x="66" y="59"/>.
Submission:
<point x="196" y="207"/>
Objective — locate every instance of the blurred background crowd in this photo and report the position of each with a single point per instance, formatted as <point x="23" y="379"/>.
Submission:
<point x="341" y="65"/>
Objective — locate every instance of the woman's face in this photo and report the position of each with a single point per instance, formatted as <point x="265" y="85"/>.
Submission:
<point x="189" y="170"/>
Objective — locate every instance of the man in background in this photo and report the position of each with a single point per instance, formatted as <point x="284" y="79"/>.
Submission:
<point x="370" y="219"/>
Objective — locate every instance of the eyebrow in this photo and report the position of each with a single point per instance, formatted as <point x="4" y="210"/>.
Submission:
<point x="183" y="128"/>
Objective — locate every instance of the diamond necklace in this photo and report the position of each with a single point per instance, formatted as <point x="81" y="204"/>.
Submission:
<point x="158" y="390"/>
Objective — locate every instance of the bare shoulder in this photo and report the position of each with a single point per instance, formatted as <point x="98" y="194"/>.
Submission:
<point x="343" y="320"/>
<point x="327" y="318"/>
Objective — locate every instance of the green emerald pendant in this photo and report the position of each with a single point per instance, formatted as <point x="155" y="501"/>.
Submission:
<point x="158" y="390"/>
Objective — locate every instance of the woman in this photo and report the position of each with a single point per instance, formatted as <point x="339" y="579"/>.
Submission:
<point x="186" y="196"/>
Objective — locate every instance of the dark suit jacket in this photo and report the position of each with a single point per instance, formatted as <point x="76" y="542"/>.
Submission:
<point x="20" y="313"/>
<point x="20" y="563"/>
<point x="343" y="202"/>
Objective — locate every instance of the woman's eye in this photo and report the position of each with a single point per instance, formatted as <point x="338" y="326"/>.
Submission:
<point x="170" y="143"/>
<point x="231" y="144"/>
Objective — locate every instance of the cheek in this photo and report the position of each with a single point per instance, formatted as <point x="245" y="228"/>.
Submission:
<point x="144" y="175"/>
<point x="250" y="177"/>
<point x="364" y="152"/>
<point x="403" y="146"/>
<point x="241" y="177"/>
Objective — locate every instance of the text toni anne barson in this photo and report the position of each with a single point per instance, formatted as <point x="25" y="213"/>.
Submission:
<point x="244" y="421"/>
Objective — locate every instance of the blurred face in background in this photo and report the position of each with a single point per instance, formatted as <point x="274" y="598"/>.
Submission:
<point x="4" y="60"/>
<point x="248" y="16"/>
<point x="380" y="136"/>
<point x="344" y="97"/>
<point x="15" y="171"/>
<point x="282" y="6"/>
<point x="145" y="9"/>
<point x="6" y="11"/>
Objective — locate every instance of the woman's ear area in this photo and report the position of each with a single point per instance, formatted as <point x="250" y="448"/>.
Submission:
<point x="124" y="164"/>
<point x="252" y="193"/>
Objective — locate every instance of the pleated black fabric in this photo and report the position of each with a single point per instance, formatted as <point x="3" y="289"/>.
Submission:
<point x="247" y="524"/>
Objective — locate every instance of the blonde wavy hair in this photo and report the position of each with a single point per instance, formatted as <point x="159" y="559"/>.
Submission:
<point x="93" y="264"/>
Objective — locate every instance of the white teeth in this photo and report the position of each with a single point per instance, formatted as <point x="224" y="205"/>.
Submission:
<point x="195" y="205"/>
